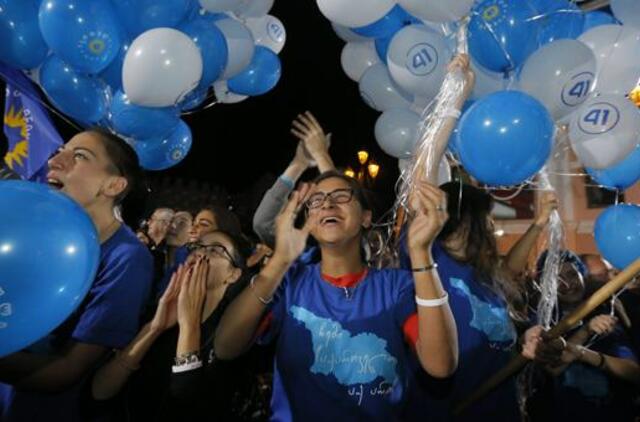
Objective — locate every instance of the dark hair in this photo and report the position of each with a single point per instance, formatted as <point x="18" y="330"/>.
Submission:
<point x="358" y="191"/>
<point x="241" y="248"/>
<point x="226" y="221"/>
<point x="123" y="158"/>
<point x="469" y="210"/>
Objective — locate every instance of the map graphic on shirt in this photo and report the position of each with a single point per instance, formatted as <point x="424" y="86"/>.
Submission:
<point x="487" y="318"/>
<point x="358" y="359"/>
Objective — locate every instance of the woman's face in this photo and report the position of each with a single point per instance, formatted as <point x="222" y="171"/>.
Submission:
<point x="204" y="223"/>
<point x="82" y="170"/>
<point x="340" y="217"/>
<point x="219" y="249"/>
<point x="178" y="233"/>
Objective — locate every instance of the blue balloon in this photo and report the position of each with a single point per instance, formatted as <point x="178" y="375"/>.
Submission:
<point x="161" y="154"/>
<point x="81" y="97"/>
<point x="505" y="138"/>
<point x="49" y="254"/>
<point x="139" y="16"/>
<point x="617" y="234"/>
<point x="388" y="25"/>
<point x="502" y="34"/>
<point x="112" y="74"/>
<point x="142" y="122"/>
<point x="622" y="175"/>
<point x="597" y="18"/>
<point x="213" y="48"/>
<point x="262" y="74"/>
<point x="194" y="99"/>
<point x="85" y="34"/>
<point x="22" y="44"/>
<point x="563" y="20"/>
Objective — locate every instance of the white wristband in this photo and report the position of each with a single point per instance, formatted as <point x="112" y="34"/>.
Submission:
<point x="433" y="303"/>
<point x="185" y="367"/>
<point x="451" y="112"/>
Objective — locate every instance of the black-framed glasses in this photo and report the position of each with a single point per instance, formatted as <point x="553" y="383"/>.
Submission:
<point x="212" y="249"/>
<point x="338" y="196"/>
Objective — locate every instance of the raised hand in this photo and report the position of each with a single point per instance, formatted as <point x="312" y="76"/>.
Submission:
<point x="428" y="207"/>
<point x="166" y="312"/>
<point x="548" y="203"/>
<point x="306" y="128"/>
<point x="193" y="293"/>
<point x="291" y="241"/>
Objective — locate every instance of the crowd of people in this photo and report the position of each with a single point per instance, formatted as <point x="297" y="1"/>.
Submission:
<point x="190" y="318"/>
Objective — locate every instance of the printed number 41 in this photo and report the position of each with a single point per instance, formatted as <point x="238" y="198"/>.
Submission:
<point x="597" y="117"/>
<point x="422" y="58"/>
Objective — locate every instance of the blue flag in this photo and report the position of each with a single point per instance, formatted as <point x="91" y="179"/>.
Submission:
<point x="27" y="126"/>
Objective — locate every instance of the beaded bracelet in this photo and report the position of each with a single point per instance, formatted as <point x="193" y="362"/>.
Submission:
<point x="425" y="269"/>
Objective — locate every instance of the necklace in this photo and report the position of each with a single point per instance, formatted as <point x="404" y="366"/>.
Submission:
<point x="348" y="282"/>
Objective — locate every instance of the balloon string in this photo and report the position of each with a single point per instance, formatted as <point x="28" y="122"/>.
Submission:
<point x="25" y="91"/>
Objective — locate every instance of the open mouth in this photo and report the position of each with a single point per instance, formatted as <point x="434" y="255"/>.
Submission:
<point x="329" y="221"/>
<point x="55" y="183"/>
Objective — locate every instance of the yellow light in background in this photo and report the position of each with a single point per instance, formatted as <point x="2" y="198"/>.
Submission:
<point x="363" y="156"/>
<point x="350" y="173"/>
<point x="373" y="169"/>
<point x="634" y="95"/>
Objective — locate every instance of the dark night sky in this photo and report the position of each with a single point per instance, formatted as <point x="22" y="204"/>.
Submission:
<point x="235" y="144"/>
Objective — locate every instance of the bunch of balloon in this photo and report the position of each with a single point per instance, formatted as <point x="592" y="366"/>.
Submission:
<point x="397" y="52"/>
<point x="134" y="66"/>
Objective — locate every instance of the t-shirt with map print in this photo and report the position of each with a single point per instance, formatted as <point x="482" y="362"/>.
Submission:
<point x="340" y="355"/>
<point x="486" y="337"/>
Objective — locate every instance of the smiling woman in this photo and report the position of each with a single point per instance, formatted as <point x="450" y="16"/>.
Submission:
<point x="344" y="331"/>
<point x="97" y="170"/>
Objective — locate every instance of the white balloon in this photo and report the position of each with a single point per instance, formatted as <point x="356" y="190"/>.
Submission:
<point x="357" y="57"/>
<point x="444" y="169"/>
<point x="561" y="75"/>
<point x="437" y="10"/>
<point x="627" y="12"/>
<point x="240" y="45"/>
<point x="252" y="8"/>
<point x="605" y="130"/>
<point x="161" y="67"/>
<point x="268" y="31"/>
<point x="487" y="82"/>
<point x="224" y="95"/>
<point x="355" y="13"/>
<point x="417" y="60"/>
<point x="616" y="49"/>
<point x="218" y="6"/>
<point x="347" y="35"/>
<point x="396" y="132"/>
<point x="379" y="91"/>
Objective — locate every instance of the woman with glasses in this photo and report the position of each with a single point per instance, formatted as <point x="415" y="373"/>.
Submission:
<point x="97" y="170"/>
<point x="344" y="330"/>
<point x="169" y="367"/>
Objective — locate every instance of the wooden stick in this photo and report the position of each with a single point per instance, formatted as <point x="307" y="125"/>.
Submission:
<point x="518" y="362"/>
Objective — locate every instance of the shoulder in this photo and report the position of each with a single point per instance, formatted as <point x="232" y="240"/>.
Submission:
<point x="124" y="247"/>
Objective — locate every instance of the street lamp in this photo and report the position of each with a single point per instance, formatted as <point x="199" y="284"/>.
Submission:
<point x="367" y="169"/>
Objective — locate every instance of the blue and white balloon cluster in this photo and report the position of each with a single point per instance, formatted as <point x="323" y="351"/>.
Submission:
<point x="537" y="62"/>
<point x="135" y="65"/>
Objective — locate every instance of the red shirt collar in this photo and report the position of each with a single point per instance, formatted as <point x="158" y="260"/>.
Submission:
<point x="347" y="280"/>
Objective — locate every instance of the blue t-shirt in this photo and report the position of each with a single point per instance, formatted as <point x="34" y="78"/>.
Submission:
<point x="340" y="355"/>
<point x="486" y="337"/>
<point x="583" y="392"/>
<point x="109" y="316"/>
